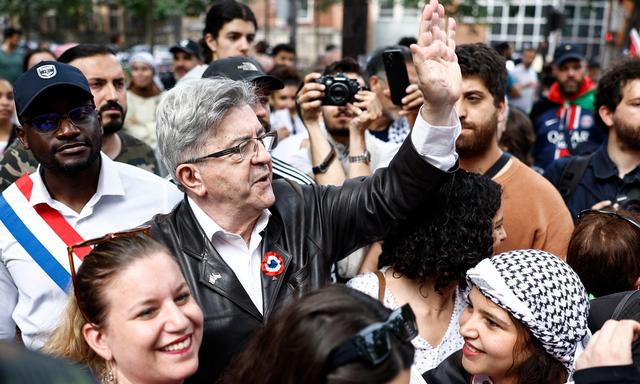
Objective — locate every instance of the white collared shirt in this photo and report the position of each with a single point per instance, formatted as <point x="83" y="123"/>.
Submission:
<point x="435" y="144"/>
<point x="126" y="197"/>
<point x="244" y="261"/>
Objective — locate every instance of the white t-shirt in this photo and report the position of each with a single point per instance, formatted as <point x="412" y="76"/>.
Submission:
<point x="293" y="151"/>
<point x="427" y="357"/>
<point x="522" y="75"/>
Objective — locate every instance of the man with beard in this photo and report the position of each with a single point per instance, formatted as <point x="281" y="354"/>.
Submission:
<point x="349" y="144"/>
<point x="77" y="193"/>
<point x="534" y="213"/>
<point x="612" y="174"/>
<point x="563" y="120"/>
<point x="186" y="56"/>
<point x="106" y="79"/>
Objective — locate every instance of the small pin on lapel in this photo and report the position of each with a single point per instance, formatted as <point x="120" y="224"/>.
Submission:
<point x="214" y="277"/>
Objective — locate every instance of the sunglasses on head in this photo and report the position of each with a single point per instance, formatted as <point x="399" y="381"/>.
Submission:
<point x="609" y="213"/>
<point x="373" y="343"/>
<point x="90" y="244"/>
<point x="50" y="122"/>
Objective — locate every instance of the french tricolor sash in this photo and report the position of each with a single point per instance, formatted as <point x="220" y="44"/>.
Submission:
<point x="40" y="230"/>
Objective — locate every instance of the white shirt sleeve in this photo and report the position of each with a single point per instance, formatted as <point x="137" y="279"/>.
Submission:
<point x="8" y="301"/>
<point x="436" y="144"/>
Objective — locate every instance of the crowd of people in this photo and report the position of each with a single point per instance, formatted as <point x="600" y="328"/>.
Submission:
<point x="244" y="222"/>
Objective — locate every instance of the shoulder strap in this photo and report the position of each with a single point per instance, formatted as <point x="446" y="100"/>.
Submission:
<point x="572" y="174"/>
<point x="382" y="284"/>
<point x="498" y="165"/>
<point x="621" y="305"/>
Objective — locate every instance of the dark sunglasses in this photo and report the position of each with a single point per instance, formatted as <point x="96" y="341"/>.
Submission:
<point x="609" y="213"/>
<point x="246" y="148"/>
<point x="83" y="248"/>
<point x="50" y="122"/>
<point x="373" y="343"/>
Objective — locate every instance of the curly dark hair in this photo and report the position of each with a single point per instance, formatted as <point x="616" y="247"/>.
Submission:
<point x="480" y="60"/>
<point x="610" y="85"/>
<point x="453" y="235"/>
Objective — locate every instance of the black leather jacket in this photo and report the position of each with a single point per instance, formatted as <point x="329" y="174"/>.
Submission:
<point x="310" y="227"/>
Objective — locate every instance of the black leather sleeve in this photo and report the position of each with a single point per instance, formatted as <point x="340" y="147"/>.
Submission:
<point x="619" y="374"/>
<point x="365" y="209"/>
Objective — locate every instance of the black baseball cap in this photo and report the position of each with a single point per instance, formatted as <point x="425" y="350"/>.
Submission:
<point x="243" y="69"/>
<point x="188" y="46"/>
<point x="567" y="51"/>
<point x="45" y="75"/>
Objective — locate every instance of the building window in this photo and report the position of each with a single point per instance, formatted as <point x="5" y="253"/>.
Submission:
<point x="305" y="10"/>
<point x="530" y="11"/>
<point x="386" y="8"/>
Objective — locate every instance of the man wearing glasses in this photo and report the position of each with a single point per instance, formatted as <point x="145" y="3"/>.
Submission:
<point x="77" y="192"/>
<point x="247" y="69"/>
<point x="247" y="245"/>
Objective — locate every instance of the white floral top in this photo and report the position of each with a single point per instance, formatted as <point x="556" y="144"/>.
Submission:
<point x="426" y="357"/>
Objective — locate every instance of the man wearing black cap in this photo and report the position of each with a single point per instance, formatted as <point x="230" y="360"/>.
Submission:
<point x="611" y="175"/>
<point x="103" y="71"/>
<point x="77" y="193"/>
<point x="247" y="69"/>
<point x="186" y="56"/>
<point x="563" y="120"/>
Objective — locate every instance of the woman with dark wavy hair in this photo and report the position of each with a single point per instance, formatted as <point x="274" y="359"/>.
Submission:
<point x="424" y="262"/>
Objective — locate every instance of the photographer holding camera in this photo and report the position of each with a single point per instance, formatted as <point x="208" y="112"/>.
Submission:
<point x="337" y="109"/>
<point x="610" y="177"/>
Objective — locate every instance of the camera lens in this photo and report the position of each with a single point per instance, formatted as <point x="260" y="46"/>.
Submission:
<point x="339" y="93"/>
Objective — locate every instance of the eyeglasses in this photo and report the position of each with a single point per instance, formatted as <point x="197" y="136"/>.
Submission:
<point x="50" y="122"/>
<point x="609" y="213"/>
<point x="83" y="248"/>
<point x="373" y="343"/>
<point x="246" y="148"/>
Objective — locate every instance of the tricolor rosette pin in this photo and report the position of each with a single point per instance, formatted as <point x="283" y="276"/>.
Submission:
<point x="272" y="264"/>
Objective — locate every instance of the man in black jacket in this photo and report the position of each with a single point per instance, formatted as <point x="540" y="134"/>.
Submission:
<point x="247" y="245"/>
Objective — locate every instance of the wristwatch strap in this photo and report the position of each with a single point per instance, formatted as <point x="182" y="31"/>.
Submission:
<point x="324" y="166"/>
<point x="363" y="158"/>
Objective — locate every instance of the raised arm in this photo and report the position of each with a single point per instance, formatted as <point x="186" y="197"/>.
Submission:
<point x="437" y="66"/>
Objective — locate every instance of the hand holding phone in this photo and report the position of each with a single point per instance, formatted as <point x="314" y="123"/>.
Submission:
<point x="397" y="76"/>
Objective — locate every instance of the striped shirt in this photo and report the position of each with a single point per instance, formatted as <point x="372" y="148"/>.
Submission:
<point x="282" y="170"/>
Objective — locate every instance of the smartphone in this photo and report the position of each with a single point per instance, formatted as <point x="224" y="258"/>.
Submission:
<point x="397" y="77"/>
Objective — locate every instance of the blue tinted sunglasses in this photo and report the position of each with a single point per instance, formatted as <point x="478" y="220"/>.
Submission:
<point x="50" y="122"/>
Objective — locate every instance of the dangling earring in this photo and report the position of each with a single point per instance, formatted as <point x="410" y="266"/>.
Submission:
<point x="109" y="377"/>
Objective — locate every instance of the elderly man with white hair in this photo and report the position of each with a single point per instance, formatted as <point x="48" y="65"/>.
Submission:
<point x="248" y="245"/>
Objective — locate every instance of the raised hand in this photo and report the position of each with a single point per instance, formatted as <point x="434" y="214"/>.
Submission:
<point x="310" y="99"/>
<point x="436" y="63"/>
<point x="366" y="109"/>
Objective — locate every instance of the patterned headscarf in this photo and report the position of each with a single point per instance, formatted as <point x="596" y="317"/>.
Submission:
<point x="147" y="58"/>
<point x="543" y="293"/>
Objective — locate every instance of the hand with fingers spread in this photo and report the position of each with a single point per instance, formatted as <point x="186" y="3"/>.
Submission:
<point x="310" y="98"/>
<point x="611" y="345"/>
<point x="436" y="63"/>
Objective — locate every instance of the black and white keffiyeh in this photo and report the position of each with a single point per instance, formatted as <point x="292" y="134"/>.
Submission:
<point x="543" y="293"/>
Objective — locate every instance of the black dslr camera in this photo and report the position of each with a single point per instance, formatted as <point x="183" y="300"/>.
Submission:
<point x="339" y="89"/>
